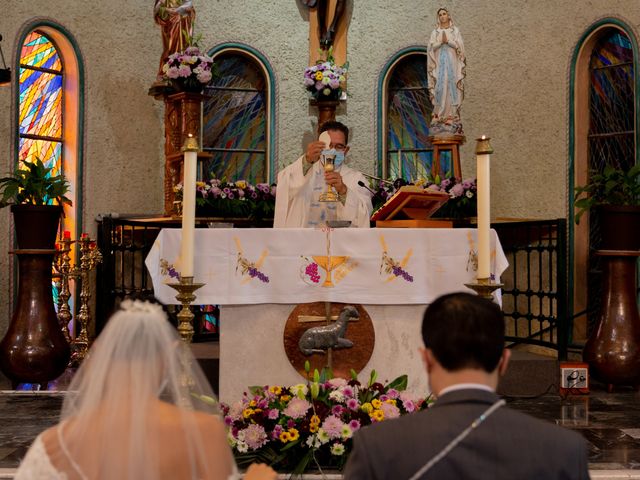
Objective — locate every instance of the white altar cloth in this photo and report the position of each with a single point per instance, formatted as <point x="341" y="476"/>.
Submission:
<point x="373" y="266"/>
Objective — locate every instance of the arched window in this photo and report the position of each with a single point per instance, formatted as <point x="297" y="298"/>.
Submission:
<point x="603" y="121"/>
<point x="238" y="117"/>
<point x="406" y="151"/>
<point x="49" y="108"/>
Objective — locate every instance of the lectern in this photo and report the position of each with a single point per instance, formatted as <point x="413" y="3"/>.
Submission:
<point x="411" y="207"/>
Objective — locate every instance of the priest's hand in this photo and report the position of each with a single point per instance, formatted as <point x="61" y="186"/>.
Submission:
<point x="313" y="151"/>
<point x="335" y="180"/>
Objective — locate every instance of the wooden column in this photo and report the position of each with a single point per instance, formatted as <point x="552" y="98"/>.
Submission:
<point x="326" y="110"/>
<point x="183" y="116"/>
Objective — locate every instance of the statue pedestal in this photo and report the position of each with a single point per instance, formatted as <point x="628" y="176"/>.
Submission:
<point x="326" y="110"/>
<point x="446" y="155"/>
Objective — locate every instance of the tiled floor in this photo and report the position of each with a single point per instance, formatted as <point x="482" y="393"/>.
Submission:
<point x="609" y="421"/>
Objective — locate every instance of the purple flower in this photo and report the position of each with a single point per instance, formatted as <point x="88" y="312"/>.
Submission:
<point x="457" y="190"/>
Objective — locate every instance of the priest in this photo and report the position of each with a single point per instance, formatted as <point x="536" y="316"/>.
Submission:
<point x="300" y="185"/>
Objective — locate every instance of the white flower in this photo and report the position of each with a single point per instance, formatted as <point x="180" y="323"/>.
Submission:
<point x="469" y="194"/>
<point x="323" y="436"/>
<point x="337" y="396"/>
<point x="242" y="447"/>
<point x="299" y="390"/>
<point x="337" y="449"/>
<point x="313" y="442"/>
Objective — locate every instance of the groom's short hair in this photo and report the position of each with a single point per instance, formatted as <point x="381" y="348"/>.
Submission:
<point x="464" y="331"/>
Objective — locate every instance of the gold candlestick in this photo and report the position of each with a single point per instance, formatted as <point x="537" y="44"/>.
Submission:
<point x="63" y="265"/>
<point x="90" y="256"/>
<point x="185" y="288"/>
<point x="484" y="287"/>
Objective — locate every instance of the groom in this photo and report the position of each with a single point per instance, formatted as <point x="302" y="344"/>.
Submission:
<point x="468" y="433"/>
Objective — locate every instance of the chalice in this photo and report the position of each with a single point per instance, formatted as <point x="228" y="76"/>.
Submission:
<point x="328" y="162"/>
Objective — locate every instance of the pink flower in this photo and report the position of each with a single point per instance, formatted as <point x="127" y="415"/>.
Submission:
<point x="353" y="404"/>
<point x="277" y="430"/>
<point x="354" y="425"/>
<point x="254" y="436"/>
<point x="184" y="71"/>
<point x="273" y="414"/>
<point x="297" y="408"/>
<point x="390" y="410"/>
<point x="333" y="426"/>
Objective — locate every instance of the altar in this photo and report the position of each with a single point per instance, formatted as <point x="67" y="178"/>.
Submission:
<point x="260" y="275"/>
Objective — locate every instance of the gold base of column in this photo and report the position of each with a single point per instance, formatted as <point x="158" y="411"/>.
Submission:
<point x="185" y="296"/>
<point x="484" y="287"/>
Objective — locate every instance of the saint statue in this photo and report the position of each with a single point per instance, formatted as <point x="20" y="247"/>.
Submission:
<point x="176" y="18"/>
<point x="445" y="74"/>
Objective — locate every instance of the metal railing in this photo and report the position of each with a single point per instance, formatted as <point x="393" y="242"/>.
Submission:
<point x="534" y="297"/>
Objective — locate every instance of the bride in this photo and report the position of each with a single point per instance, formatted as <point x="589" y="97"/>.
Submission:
<point x="138" y="408"/>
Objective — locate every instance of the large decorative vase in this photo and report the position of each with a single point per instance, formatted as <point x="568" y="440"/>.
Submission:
<point x="34" y="349"/>
<point x="613" y="349"/>
<point x="619" y="226"/>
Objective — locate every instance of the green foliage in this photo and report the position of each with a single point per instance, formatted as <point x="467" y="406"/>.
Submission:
<point x="33" y="185"/>
<point x="613" y="186"/>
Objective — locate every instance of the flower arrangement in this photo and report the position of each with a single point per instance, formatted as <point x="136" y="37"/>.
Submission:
<point x="311" y="424"/>
<point x="239" y="199"/>
<point x="463" y="202"/>
<point x="325" y="79"/>
<point x="191" y="69"/>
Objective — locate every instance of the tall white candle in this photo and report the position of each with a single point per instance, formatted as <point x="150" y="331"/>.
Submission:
<point x="483" y="151"/>
<point x="188" y="208"/>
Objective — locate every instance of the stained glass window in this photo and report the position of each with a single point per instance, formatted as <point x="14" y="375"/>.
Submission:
<point x="611" y="139"/>
<point x="611" y="103"/>
<point x="235" y="118"/>
<point x="409" y="152"/>
<point x="40" y="102"/>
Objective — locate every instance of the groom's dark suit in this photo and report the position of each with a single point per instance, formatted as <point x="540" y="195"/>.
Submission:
<point x="507" y="445"/>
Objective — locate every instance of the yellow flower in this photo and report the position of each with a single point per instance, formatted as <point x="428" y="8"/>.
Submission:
<point x="318" y="76"/>
<point x="377" y="415"/>
<point x="200" y="184"/>
<point x="315" y="420"/>
<point x="293" y="434"/>
<point x="392" y="401"/>
<point x="376" y="403"/>
<point x="284" y="437"/>
<point x="275" y="389"/>
<point x="366" y="407"/>
<point x="257" y="410"/>
<point x="241" y="184"/>
<point x="247" y="412"/>
<point x="252" y="403"/>
<point x="285" y="398"/>
<point x="313" y="428"/>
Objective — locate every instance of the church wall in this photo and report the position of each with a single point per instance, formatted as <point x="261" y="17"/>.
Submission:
<point x="518" y="60"/>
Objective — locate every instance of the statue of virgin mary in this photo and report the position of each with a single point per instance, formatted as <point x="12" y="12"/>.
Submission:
<point x="445" y="74"/>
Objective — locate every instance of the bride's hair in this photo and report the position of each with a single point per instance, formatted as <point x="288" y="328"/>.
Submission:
<point x="138" y="381"/>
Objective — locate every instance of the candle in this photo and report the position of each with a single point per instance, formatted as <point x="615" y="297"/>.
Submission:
<point x="84" y="236"/>
<point x="190" y="150"/>
<point x="483" y="154"/>
<point x="67" y="235"/>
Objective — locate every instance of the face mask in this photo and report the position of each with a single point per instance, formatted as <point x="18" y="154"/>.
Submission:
<point x="337" y="154"/>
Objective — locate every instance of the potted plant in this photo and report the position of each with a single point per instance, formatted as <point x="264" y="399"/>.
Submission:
<point x="34" y="349"/>
<point x="31" y="192"/>
<point x="614" y="194"/>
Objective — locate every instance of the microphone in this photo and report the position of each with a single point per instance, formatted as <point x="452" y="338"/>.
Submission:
<point x="377" y="178"/>
<point x="361" y="183"/>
